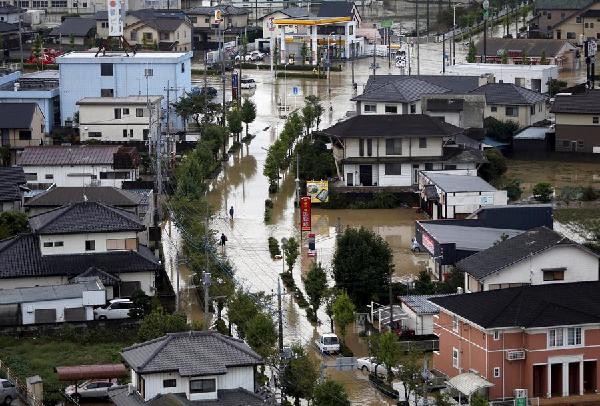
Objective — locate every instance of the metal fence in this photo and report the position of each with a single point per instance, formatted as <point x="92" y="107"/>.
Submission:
<point x="515" y="402"/>
<point x="21" y="386"/>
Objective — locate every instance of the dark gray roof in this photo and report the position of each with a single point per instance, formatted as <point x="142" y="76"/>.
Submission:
<point x="101" y="15"/>
<point x="451" y="183"/>
<point x="295" y="12"/>
<point x="20" y="257"/>
<point x="161" y="20"/>
<point x="336" y="9"/>
<point x="532" y="133"/>
<point x="10" y="9"/>
<point x="512" y="251"/>
<point x="580" y="103"/>
<point x="7" y="27"/>
<point x="60" y="196"/>
<point x="17" y="115"/>
<point x="445" y="104"/>
<point x="406" y="89"/>
<point x="47" y="293"/>
<point x="225" y="397"/>
<point x="190" y="354"/>
<point x="85" y="217"/>
<point x="465" y="237"/>
<point x="531" y="47"/>
<point x="78" y="26"/>
<point x="554" y="304"/>
<point x="68" y="155"/>
<point x="10" y="179"/>
<point x="508" y="93"/>
<point x="392" y="125"/>
<point x="561" y="4"/>
<point x="456" y="154"/>
<point x="420" y="304"/>
<point x="106" y="278"/>
<point x="226" y="10"/>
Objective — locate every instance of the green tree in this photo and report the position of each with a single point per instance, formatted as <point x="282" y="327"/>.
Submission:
<point x="388" y="353"/>
<point x="330" y="393"/>
<point x="308" y="116"/>
<point x="525" y="58"/>
<point x="13" y="223"/>
<point x="317" y="108"/>
<point x="555" y="86"/>
<point x="261" y="335"/>
<point x="72" y="41"/>
<point x="500" y="130"/>
<point x="513" y="189"/>
<point x="495" y="166"/>
<point x="155" y="45"/>
<point x="504" y="57"/>
<point x="158" y="323"/>
<point x="543" y="59"/>
<point x="248" y="113"/>
<point x="234" y="123"/>
<point x="316" y="285"/>
<point x="144" y="42"/>
<point x="362" y="265"/>
<point x="142" y="305"/>
<point x="316" y="161"/>
<point x="423" y="284"/>
<point x="472" y="53"/>
<point x="343" y="312"/>
<point x="442" y="399"/>
<point x="300" y="375"/>
<point x="243" y="306"/>
<point x="478" y="400"/>
<point x="2" y="46"/>
<point x="291" y="250"/>
<point x="543" y="191"/>
<point x="410" y="373"/>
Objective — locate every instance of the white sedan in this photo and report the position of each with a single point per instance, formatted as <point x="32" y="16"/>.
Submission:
<point x="368" y="364"/>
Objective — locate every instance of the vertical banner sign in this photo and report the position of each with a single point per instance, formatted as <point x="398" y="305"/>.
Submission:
<point x="234" y="85"/>
<point x="305" y="213"/>
<point x="115" y="18"/>
<point x="312" y="249"/>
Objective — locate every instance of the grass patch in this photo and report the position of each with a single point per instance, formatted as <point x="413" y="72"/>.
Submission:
<point x="587" y="219"/>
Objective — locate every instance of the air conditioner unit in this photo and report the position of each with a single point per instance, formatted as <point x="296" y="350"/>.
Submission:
<point x="520" y="393"/>
<point x="515" y="355"/>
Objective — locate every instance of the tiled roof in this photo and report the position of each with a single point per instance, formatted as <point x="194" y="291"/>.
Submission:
<point x="10" y="180"/>
<point x="106" y="278"/>
<point x="336" y="9"/>
<point x="554" y="304"/>
<point x="511" y="251"/>
<point x="531" y="47"/>
<point x="226" y="10"/>
<point x="451" y="183"/>
<point x="561" y="4"/>
<point x="406" y="89"/>
<point x="85" y="217"/>
<point x="465" y="237"/>
<point x="420" y="304"/>
<point x="392" y="125"/>
<point x="581" y="103"/>
<point x="68" y="155"/>
<point x="120" y="396"/>
<point x="17" y="115"/>
<point x="20" y="257"/>
<point x="49" y="293"/>
<point x="78" y="26"/>
<point x="10" y="9"/>
<point x="161" y="20"/>
<point x="60" y="196"/>
<point x="508" y="93"/>
<point x="191" y="354"/>
<point x="7" y="27"/>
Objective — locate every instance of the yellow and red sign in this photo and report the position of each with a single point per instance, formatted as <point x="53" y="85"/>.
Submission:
<point x="305" y="213"/>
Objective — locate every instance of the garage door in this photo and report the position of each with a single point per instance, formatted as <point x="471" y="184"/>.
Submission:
<point x="127" y="288"/>
<point x="75" y="314"/>
<point x="45" y="315"/>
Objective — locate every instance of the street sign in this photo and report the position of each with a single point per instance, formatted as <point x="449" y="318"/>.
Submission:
<point x="486" y="8"/>
<point x="218" y="16"/>
<point x="386" y="24"/>
<point x="271" y="24"/>
<point x="521" y="402"/>
<point x="296" y="90"/>
<point x="305" y="213"/>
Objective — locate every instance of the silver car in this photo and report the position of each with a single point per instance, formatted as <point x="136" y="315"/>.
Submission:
<point x="89" y="390"/>
<point x="8" y="392"/>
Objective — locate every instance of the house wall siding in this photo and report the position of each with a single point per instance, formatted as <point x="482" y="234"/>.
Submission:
<point x="75" y="243"/>
<point x="28" y="309"/>
<point x="71" y="175"/>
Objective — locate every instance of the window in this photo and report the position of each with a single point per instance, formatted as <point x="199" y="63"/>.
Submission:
<point x="169" y="383"/>
<point x="125" y="133"/>
<point x="31" y="176"/>
<point x="428" y="166"/>
<point x="125" y="112"/>
<point x="117" y="113"/>
<point x="129" y="244"/>
<point x="90" y="245"/>
<point x="369" y="147"/>
<point x="494" y="109"/>
<point x="24" y="4"/>
<point x="595" y="120"/>
<point x="133" y="35"/>
<point x="370" y="108"/>
<point x="148" y="36"/>
<point x="145" y="133"/>
<point x="455" y="324"/>
<point x="449" y="167"/>
<point x="139" y="112"/>
<point x="114" y="175"/>
<point x="578" y="19"/>
<point x="131" y="133"/>
<point x="182" y="67"/>
<point x="194" y="19"/>
<point x="598" y="35"/>
<point x="496" y="372"/>
<point x="422" y="142"/>
<point x="393" y="146"/>
<point x="107" y="93"/>
<point x="391" y="109"/>
<point x="48" y="244"/>
<point x="49" y="176"/>
<point x="106" y="69"/>
<point x="104" y="24"/>
<point x="497" y="335"/>
<point x="361" y="147"/>
<point x="554" y="274"/>
<point x="455" y="358"/>
<point x="207" y="20"/>
<point x="571" y="35"/>
<point x="164" y="36"/>
<point x="94" y="134"/>
<point x="549" y="16"/>
<point x="58" y="243"/>
<point x="562" y="15"/>
<point x="25" y="135"/>
<point x="555" y="337"/>
<point x="148" y="72"/>
<point x="40" y="3"/>
<point x="413" y="109"/>
<point x="203" y="386"/>
<point x="393" y="169"/>
<point x="58" y="3"/>
<point x="512" y="111"/>
<point x="574" y="336"/>
<point x="532" y="109"/>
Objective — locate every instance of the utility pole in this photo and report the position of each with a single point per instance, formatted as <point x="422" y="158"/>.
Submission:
<point x="486" y="6"/>
<point x="21" y="41"/>
<point x="353" y="52"/>
<point x="425" y="376"/>
<point x="374" y="50"/>
<point x="221" y="37"/>
<point x="443" y="53"/>
<point x="298" y="178"/>
<point x="279" y="315"/>
<point x="417" y="32"/>
<point x="206" y="283"/>
<point x="387" y="30"/>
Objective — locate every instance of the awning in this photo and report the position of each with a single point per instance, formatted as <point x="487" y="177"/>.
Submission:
<point x="468" y="383"/>
<point x="384" y="312"/>
<point x="104" y="371"/>
<point x="431" y="192"/>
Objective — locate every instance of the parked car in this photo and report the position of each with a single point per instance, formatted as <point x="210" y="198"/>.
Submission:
<point x="247" y="57"/>
<point x="8" y="392"/>
<point x="247" y="83"/>
<point x="115" y="309"/>
<point x="328" y="343"/>
<point x="96" y="389"/>
<point x="256" y="56"/>
<point x="368" y="364"/>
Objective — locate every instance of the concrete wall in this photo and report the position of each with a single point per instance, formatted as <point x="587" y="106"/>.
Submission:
<point x="410" y="147"/>
<point x="28" y="309"/>
<point x="469" y="202"/>
<point x="82" y="175"/>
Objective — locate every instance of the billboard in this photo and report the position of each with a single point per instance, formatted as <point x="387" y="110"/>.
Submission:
<point x="115" y="11"/>
<point x="318" y="190"/>
<point x="305" y="213"/>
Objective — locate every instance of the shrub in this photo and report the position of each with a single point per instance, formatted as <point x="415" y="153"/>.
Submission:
<point x="274" y="247"/>
<point x="542" y="192"/>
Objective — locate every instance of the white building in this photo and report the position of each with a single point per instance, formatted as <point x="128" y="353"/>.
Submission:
<point x="52" y="304"/>
<point x="532" y="77"/>
<point x="167" y="74"/>
<point x="420" y="313"/>
<point x="535" y="257"/>
<point x="119" y="119"/>
<point x="191" y="367"/>
<point x="390" y="150"/>
<point x="452" y="195"/>
<point x="80" y="239"/>
<point x="81" y="165"/>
